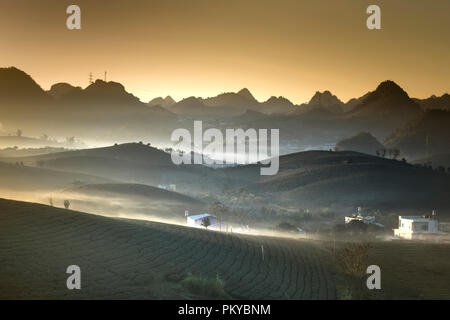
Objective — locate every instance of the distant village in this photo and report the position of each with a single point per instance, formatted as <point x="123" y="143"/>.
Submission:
<point x="424" y="228"/>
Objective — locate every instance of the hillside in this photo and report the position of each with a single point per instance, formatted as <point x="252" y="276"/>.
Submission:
<point x="19" y="177"/>
<point x="436" y="161"/>
<point x="130" y="259"/>
<point x="134" y="152"/>
<point x="388" y="107"/>
<point x="345" y="180"/>
<point x="126" y="199"/>
<point x="363" y="142"/>
<point x="426" y="136"/>
<point x="131" y="163"/>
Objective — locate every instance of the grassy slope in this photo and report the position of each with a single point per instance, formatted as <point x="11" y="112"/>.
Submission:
<point x="18" y="177"/>
<point x="131" y="162"/>
<point x="436" y="160"/>
<point x="126" y="198"/>
<point x="129" y="151"/>
<point x="409" y="270"/>
<point x="137" y="259"/>
<point x="351" y="179"/>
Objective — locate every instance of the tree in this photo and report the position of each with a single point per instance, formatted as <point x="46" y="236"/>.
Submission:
<point x="19" y="132"/>
<point x="50" y="201"/>
<point x="66" y="204"/>
<point x="206" y="222"/>
<point x="395" y="153"/>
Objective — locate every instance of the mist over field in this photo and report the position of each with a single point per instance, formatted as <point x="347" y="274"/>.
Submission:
<point x="289" y="150"/>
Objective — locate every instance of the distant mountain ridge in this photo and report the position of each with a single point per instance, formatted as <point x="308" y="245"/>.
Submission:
<point x="434" y="102"/>
<point x="107" y="109"/>
<point x="363" y="142"/>
<point x="231" y="104"/>
<point x="65" y="110"/>
<point x="166" y="102"/>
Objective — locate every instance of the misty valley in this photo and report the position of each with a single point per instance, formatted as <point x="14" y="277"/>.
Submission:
<point x="105" y="185"/>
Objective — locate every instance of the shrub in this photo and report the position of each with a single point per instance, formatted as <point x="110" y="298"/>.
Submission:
<point x="353" y="259"/>
<point x="66" y="204"/>
<point x="206" y="222"/>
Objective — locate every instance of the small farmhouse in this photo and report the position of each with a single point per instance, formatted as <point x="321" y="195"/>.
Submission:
<point x="197" y="221"/>
<point x="360" y="217"/>
<point x="416" y="227"/>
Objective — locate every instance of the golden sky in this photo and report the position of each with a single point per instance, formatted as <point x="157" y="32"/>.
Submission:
<point x="204" y="47"/>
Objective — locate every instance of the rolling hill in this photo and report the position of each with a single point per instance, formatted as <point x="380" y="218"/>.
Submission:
<point x="347" y="180"/>
<point x="130" y="163"/>
<point x="131" y="259"/>
<point x="426" y="136"/>
<point x="363" y="142"/>
<point x="20" y="177"/>
<point x="126" y="199"/>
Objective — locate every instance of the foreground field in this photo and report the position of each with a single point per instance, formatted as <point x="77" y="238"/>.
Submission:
<point x="409" y="270"/>
<point x="413" y="270"/>
<point x="131" y="259"/>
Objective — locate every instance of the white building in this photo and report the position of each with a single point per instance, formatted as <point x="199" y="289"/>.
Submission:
<point x="170" y="187"/>
<point x="366" y="219"/>
<point x="416" y="227"/>
<point x="360" y="217"/>
<point x="197" y="220"/>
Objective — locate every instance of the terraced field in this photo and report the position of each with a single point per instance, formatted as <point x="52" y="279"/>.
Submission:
<point x="131" y="259"/>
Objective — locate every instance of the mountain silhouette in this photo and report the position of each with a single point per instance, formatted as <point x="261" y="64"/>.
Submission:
<point x="389" y="106"/>
<point x="61" y="89"/>
<point x="17" y="86"/>
<point x="277" y="105"/>
<point x="433" y="102"/>
<point x="247" y="94"/>
<point x="325" y="101"/>
<point x="166" y="102"/>
<point x="363" y="142"/>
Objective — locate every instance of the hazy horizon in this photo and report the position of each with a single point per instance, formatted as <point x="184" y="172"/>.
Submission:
<point x="207" y="48"/>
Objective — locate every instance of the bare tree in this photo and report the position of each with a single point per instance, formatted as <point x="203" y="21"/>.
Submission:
<point x="395" y="153"/>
